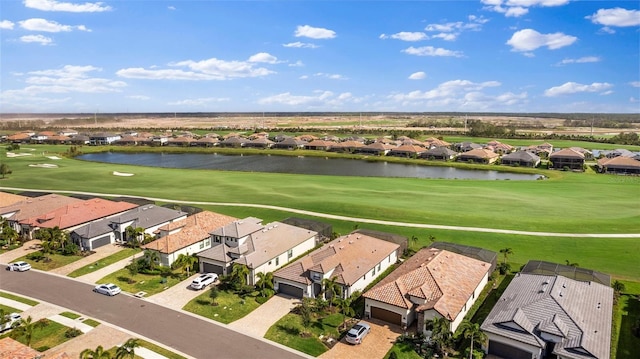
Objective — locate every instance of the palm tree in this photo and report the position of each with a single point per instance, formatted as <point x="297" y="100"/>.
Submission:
<point x="187" y="262"/>
<point x="133" y="235"/>
<point x="472" y="331"/>
<point x="440" y="332"/>
<point x="505" y="253"/>
<point x="265" y="284"/>
<point x="345" y="307"/>
<point x="571" y="264"/>
<point x="127" y="350"/>
<point x="99" y="353"/>
<point x="9" y="234"/>
<point x="618" y="286"/>
<point x="239" y="273"/>
<point x="26" y="328"/>
<point x="151" y="259"/>
<point x="332" y="287"/>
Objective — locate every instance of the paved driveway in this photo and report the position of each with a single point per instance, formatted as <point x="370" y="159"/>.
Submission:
<point x="260" y="320"/>
<point x="178" y="295"/>
<point x="375" y="345"/>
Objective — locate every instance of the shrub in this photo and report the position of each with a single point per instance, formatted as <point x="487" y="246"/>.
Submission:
<point x="36" y="256"/>
<point x="70" y="249"/>
<point x="504" y="268"/>
<point x="72" y="332"/>
<point x="262" y="300"/>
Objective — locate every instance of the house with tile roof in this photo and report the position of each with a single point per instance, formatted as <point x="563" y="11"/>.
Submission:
<point x="7" y="198"/>
<point x="439" y="153"/>
<point x="72" y="216"/>
<point x="33" y="207"/>
<point x="186" y="236"/>
<point x="409" y="151"/>
<point x="619" y="165"/>
<point x="539" y="315"/>
<point x="13" y="349"/>
<point x="261" y="247"/>
<point x="113" y="229"/>
<point x="567" y="158"/>
<point x="432" y="283"/>
<point x="377" y="148"/>
<point x="479" y="155"/>
<point x="354" y="261"/>
<point x="521" y="158"/>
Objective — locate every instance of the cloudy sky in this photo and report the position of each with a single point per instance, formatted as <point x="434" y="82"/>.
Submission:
<point x="208" y="56"/>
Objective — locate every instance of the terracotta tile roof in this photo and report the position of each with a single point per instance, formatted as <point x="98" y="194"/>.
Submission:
<point x="480" y="153"/>
<point x="195" y="228"/>
<point x="409" y="148"/>
<point x="78" y="213"/>
<point x="445" y="280"/>
<point x="36" y="206"/>
<point x="352" y="255"/>
<point x="567" y="152"/>
<point x="7" y="199"/>
<point x="618" y="162"/>
<point x="13" y="349"/>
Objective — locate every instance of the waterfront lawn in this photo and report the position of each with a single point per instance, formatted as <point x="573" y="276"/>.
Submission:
<point x="230" y="306"/>
<point x="99" y="264"/>
<point x="55" y="261"/>
<point x="289" y="331"/>
<point x="149" y="283"/>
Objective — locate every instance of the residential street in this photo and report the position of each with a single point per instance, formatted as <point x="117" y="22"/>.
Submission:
<point x="192" y="335"/>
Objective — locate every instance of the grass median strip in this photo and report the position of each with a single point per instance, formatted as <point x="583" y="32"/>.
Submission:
<point x="19" y="299"/>
<point x="99" y="264"/>
<point x="229" y="306"/>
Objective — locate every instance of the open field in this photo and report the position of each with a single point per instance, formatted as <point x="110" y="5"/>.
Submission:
<point x="567" y="203"/>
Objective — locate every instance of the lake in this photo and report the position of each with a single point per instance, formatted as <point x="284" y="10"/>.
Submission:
<point x="298" y="165"/>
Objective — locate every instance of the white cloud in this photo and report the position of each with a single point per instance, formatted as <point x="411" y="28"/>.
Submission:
<point x="517" y="8"/>
<point x="418" y="75"/>
<point x="68" y="79"/>
<point x="44" y="25"/>
<point x="451" y="30"/>
<point x="616" y="17"/>
<point x="263" y="57"/>
<point x="574" y="87"/>
<point x="299" y="44"/>
<point x="297" y="64"/>
<point x="431" y="51"/>
<point x="635" y="83"/>
<point x="40" y="39"/>
<point x="529" y="40"/>
<point x="199" y="101"/>
<point x="330" y="76"/>
<point x="210" y="69"/>
<point x="314" y="32"/>
<point x="6" y="25"/>
<point x="52" y="5"/>
<point x="460" y="94"/>
<point x="581" y="60"/>
<point x="320" y="99"/>
<point x="139" y="97"/>
<point x="406" y="36"/>
<point x="171" y="7"/>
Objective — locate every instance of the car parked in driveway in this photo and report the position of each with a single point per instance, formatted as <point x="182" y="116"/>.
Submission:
<point x="109" y="289"/>
<point x="356" y="334"/>
<point x="19" y="266"/>
<point x="11" y="321"/>
<point x="204" y="280"/>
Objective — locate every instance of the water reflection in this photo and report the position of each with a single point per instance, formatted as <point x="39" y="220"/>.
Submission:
<point x="298" y="165"/>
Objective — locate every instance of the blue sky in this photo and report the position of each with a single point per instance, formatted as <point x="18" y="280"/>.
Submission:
<point x="369" y="56"/>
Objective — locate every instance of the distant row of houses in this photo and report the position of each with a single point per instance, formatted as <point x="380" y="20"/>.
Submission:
<point x="547" y="309"/>
<point x="574" y="158"/>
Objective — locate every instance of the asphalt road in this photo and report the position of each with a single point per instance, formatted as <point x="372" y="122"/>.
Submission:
<point x="188" y="334"/>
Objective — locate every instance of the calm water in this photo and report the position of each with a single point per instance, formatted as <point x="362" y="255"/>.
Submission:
<point x="297" y="165"/>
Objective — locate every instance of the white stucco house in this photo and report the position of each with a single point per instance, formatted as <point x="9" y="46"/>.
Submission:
<point x="262" y="248"/>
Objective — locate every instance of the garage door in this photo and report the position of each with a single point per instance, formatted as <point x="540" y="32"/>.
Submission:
<point x="386" y="315"/>
<point x="507" y="351"/>
<point x="102" y="241"/>
<point x="290" y="290"/>
<point x="212" y="268"/>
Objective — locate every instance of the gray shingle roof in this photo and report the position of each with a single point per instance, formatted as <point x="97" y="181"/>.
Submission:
<point x="580" y="312"/>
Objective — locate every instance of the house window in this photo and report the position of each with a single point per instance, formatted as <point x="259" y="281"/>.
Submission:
<point x="364" y="276"/>
<point x="379" y="266"/>
<point x="277" y="260"/>
<point x="201" y="245"/>
<point x="207" y="242"/>
<point x="290" y="254"/>
<point x="373" y="272"/>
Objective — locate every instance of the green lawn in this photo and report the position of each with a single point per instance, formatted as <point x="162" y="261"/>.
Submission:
<point x="91" y="322"/>
<point x="44" y="338"/>
<point x="626" y="313"/>
<point x="403" y="351"/>
<point x="160" y="350"/>
<point x="56" y="261"/>
<point x="289" y="331"/>
<point x="230" y="306"/>
<point x="70" y="315"/>
<point x="120" y="255"/>
<point x="150" y="284"/>
<point x="19" y="299"/>
<point x="7" y="309"/>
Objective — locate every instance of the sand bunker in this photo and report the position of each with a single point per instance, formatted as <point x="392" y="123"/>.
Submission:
<point x="11" y="154"/>
<point x="54" y="158"/>
<point x="122" y="174"/>
<point x="44" y="165"/>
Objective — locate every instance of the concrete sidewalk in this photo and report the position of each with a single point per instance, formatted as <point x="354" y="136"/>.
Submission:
<point x="93" y="277"/>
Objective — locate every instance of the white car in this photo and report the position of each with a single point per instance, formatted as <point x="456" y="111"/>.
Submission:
<point x="204" y="280"/>
<point x="19" y="266"/>
<point x="11" y="321"/>
<point x="356" y="334"/>
<point x="109" y="289"/>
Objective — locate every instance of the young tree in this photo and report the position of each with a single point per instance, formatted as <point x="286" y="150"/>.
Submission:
<point x="151" y="259"/>
<point x="26" y="329"/>
<point x="214" y="292"/>
<point x="332" y="287"/>
<point x="265" y="284"/>
<point x="239" y="273"/>
<point x="127" y="350"/>
<point x="472" y="331"/>
<point x="98" y="353"/>
<point x="346" y="309"/>
<point x="188" y="262"/>
<point x="4" y="170"/>
<point x="133" y="236"/>
<point x="505" y="253"/>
